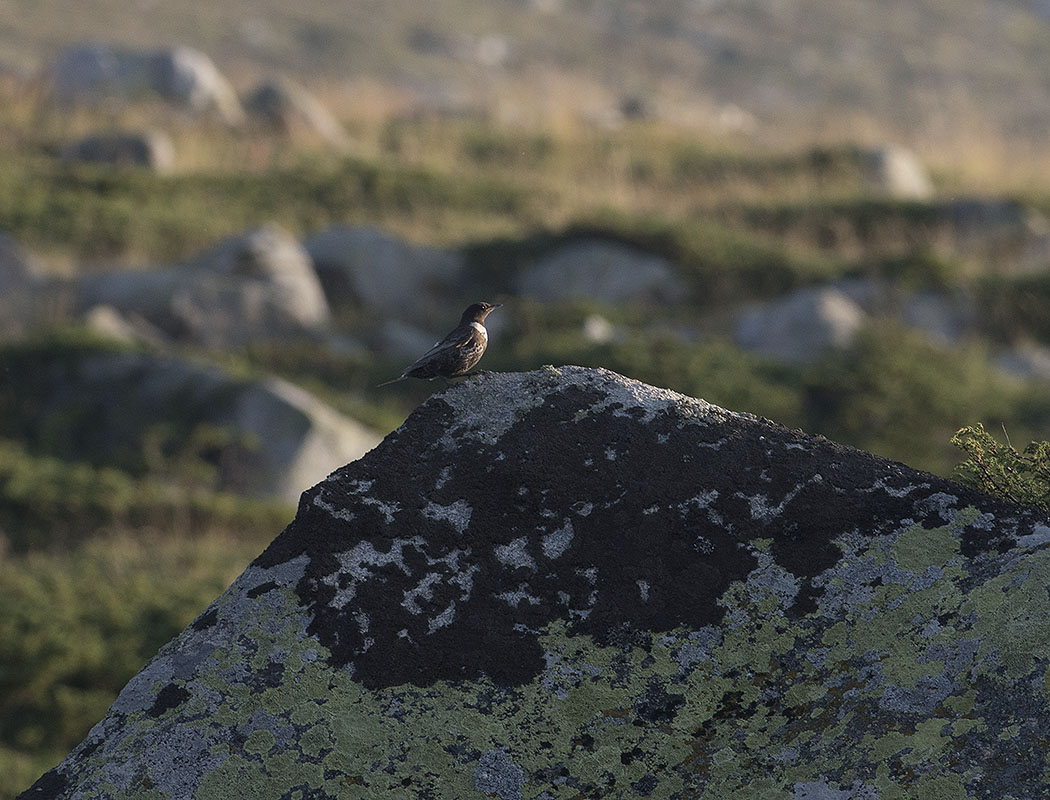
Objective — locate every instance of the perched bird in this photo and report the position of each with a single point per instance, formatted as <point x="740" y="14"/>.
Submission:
<point x="458" y="352"/>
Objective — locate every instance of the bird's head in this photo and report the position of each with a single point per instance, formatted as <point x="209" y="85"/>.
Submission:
<point x="478" y="312"/>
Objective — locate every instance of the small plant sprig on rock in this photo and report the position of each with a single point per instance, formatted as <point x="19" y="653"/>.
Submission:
<point x="1000" y="470"/>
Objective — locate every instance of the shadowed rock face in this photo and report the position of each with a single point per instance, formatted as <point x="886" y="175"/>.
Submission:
<point x="568" y="584"/>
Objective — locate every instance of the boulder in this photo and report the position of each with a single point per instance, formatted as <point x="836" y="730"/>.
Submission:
<point x="21" y="295"/>
<point x="255" y="286"/>
<point x="187" y="78"/>
<point x="802" y="326"/>
<point x="1028" y="361"/>
<point x="567" y="583"/>
<point x="384" y="273"/>
<point x="1004" y="235"/>
<point x="151" y="149"/>
<point x="106" y="404"/>
<point x="286" y="106"/>
<point x="945" y="316"/>
<point x="602" y="270"/>
<point x="273" y="257"/>
<point x="17" y="269"/>
<point x="896" y="172"/>
<point x="90" y="71"/>
<point x="109" y="323"/>
<point x="190" y="79"/>
<point x="399" y="339"/>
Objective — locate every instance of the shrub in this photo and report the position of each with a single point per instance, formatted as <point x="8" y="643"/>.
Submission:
<point x="48" y="503"/>
<point x="76" y="626"/>
<point x="1001" y="470"/>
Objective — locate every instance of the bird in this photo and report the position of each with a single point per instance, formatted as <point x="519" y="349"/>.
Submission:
<point x="458" y="352"/>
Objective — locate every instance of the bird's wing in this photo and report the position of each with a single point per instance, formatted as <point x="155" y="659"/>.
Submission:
<point x="453" y="341"/>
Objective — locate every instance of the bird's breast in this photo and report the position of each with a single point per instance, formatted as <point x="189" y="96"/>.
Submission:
<point x="484" y="334"/>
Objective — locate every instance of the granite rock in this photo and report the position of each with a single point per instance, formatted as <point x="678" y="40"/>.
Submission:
<point x="259" y="285"/>
<point x="602" y="270"/>
<point x="801" y="326"/>
<point x="565" y="583"/>
<point x="105" y="406"/>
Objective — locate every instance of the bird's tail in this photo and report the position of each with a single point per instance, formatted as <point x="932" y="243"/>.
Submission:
<point x="395" y="380"/>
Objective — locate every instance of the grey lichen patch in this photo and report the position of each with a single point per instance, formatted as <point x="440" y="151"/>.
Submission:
<point x="486" y="415"/>
<point x="622" y="394"/>
<point x="456" y="514"/>
<point x="497" y="775"/>
<point x="515" y="554"/>
<point x="556" y="542"/>
<point x="1039" y="537"/>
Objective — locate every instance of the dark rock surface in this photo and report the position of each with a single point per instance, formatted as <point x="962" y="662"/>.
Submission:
<point x="568" y="584"/>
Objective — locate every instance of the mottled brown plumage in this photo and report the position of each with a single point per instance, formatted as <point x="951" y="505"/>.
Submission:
<point x="458" y="352"/>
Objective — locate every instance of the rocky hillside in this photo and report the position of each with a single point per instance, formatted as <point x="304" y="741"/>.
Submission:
<point x="796" y="65"/>
<point x="567" y="583"/>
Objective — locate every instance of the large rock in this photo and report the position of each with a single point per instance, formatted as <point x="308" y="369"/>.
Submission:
<point x="20" y="284"/>
<point x="384" y="273"/>
<point x="17" y="270"/>
<point x="108" y="404"/>
<point x="602" y="270"/>
<point x="896" y="172"/>
<point x="802" y="326"/>
<point x="152" y="149"/>
<point x="1004" y="235"/>
<point x="566" y="583"/>
<point x="289" y="108"/>
<point x="191" y="79"/>
<point x="1027" y="361"/>
<point x="944" y="316"/>
<point x="272" y="256"/>
<point x="88" y="73"/>
<point x="258" y="285"/>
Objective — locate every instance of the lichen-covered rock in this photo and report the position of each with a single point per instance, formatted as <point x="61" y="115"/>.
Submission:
<point x="568" y="584"/>
<point x="20" y="289"/>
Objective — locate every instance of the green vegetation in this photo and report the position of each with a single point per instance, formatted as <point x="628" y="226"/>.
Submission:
<point x="100" y="214"/>
<point x="50" y="504"/>
<point x="77" y="623"/>
<point x="1000" y="470"/>
<point x="100" y="569"/>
